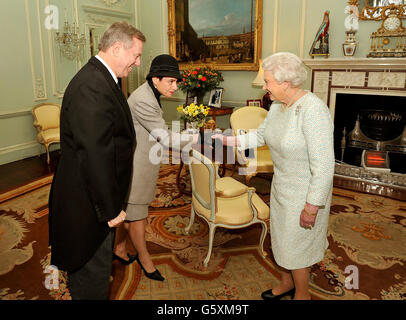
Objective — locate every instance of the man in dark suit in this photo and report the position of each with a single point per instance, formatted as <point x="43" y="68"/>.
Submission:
<point x="93" y="175"/>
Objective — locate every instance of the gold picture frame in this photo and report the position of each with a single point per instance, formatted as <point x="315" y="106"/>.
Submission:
<point x="221" y="52"/>
<point x="379" y="11"/>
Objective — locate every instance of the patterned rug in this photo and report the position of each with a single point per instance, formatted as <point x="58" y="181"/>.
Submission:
<point x="365" y="259"/>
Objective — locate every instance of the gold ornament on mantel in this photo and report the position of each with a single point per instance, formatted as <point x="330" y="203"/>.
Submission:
<point x="390" y="39"/>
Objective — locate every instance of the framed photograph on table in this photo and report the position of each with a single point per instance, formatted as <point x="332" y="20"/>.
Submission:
<point x="216" y="97"/>
<point x="254" y="103"/>
<point x="190" y="98"/>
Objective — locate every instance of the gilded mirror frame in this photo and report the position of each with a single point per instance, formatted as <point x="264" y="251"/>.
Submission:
<point x="380" y="10"/>
<point x="248" y="66"/>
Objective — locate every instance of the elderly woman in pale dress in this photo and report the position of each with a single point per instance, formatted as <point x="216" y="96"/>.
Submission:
<point x="299" y="132"/>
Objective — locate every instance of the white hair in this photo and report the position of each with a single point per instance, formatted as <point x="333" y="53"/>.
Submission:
<point x="286" y="66"/>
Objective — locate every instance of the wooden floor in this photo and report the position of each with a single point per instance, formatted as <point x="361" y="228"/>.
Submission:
<point x="18" y="173"/>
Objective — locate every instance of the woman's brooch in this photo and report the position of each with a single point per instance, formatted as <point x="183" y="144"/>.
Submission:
<point x="298" y="109"/>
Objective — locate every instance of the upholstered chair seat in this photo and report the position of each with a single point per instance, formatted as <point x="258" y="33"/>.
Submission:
<point x="48" y="136"/>
<point x="232" y="203"/>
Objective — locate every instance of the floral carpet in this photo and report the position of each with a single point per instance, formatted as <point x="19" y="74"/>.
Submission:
<point x="365" y="259"/>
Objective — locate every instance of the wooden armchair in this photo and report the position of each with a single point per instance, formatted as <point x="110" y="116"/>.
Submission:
<point x="223" y="202"/>
<point x="241" y="121"/>
<point x="46" y="121"/>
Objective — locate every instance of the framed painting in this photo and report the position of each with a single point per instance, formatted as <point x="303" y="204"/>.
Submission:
<point x="227" y="34"/>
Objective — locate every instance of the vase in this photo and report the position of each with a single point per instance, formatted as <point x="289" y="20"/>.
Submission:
<point x="192" y="127"/>
<point x="195" y="96"/>
<point x="195" y="126"/>
<point x="350" y="44"/>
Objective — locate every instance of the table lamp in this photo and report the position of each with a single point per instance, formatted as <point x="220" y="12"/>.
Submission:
<point x="259" y="82"/>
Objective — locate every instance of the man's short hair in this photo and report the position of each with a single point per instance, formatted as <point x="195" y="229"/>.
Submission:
<point x="121" y="32"/>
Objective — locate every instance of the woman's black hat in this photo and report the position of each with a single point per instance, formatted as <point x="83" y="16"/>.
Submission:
<point x="164" y="65"/>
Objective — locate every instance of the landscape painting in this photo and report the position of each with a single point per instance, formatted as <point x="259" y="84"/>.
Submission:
<point x="226" y="34"/>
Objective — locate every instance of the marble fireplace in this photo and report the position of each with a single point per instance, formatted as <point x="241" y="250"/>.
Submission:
<point x="367" y="101"/>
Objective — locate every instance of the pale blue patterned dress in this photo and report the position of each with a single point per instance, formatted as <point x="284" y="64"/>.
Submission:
<point x="300" y="139"/>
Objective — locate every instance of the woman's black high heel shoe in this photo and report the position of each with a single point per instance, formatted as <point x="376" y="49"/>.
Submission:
<point x="156" y="275"/>
<point x="268" y="295"/>
<point x="130" y="260"/>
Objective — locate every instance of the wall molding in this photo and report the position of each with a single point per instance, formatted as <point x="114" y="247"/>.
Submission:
<point x="275" y="27"/>
<point x="38" y="81"/>
<point x="107" y="12"/>
<point x="13" y="114"/>
<point x="20" y="146"/>
<point x="302" y="30"/>
<point x="137" y="25"/>
<point x="164" y="13"/>
<point x="20" y="151"/>
<point x="110" y="2"/>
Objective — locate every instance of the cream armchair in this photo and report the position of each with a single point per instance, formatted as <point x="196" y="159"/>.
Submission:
<point x="46" y="121"/>
<point x="223" y="202"/>
<point x="241" y="121"/>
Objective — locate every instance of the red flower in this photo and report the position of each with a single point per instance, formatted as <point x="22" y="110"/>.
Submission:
<point x="200" y="78"/>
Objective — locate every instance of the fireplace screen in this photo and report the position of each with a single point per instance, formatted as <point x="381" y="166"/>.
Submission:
<point x="370" y="125"/>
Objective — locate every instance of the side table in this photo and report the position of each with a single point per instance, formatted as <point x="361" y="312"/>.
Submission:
<point x="217" y="112"/>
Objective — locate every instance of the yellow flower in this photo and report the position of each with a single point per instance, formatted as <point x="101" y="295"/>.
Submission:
<point x="193" y="112"/>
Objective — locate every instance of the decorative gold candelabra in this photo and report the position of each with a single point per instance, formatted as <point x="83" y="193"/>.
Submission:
<point x="70" y="42"/>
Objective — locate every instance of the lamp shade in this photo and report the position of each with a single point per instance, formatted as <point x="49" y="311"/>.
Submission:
<point x="259" y="80"/>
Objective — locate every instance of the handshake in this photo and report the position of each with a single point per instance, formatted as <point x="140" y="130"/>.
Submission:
<point x="212" y="138"/>
<point x="216" y="138"/>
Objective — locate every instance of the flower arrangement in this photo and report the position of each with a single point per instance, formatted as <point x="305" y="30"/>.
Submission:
<point x="194" y="113"/>
<point x="200" y="79"/>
